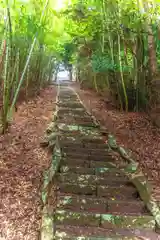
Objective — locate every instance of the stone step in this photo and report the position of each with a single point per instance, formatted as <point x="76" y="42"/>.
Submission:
<point x="69" y="143"/>
<point x="75" y="162"/>
<point x="104" y="164"/>
<point x="111" y="193"/>
<point x="72" y="97"/>
<point x="77" y="150"/>
<point x="94" y="157"/>
<point x="72" y="112"/>
<point x="87" y="179"/>
<point x="75" y="169"/>
<point x="75" y="121"/>
<point x="76" y="110"/>
<point x="70" y="105"/>
<point x="92" y="140"/>
<point x="92" y="233"/>
<point x="90" y="151"/>
<point x="118" y="193"/>
<point x="59" y="237"/>
<point x="72" y="117"/>
<point x="102" y="172"/>
<point x="107" y="221"/>
<point x="88" y="143"/>
<point x="100" y="205"/>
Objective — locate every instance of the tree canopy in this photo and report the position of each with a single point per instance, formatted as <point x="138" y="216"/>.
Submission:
<point x="114" y="45"/>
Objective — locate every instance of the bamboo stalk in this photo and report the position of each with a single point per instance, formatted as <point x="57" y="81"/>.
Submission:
<point x="27" y="63"/>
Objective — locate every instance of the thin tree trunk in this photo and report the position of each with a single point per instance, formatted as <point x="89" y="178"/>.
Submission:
<point x="121" y="73"/>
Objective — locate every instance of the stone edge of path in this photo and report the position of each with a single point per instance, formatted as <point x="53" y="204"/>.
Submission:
<point x="132" y="171"/>
<point x="138" y="179"/>
<point x="50" y="140"/>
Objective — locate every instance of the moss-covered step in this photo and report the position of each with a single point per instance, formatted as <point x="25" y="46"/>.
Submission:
<point x="72" y="127"/>
<point x="65" y="98"/>
<point x="110" y="172"/>
<point x="68" y="144"/>
<point x="107" y="221"/>
<point x="82" y="148"/>
<point x="116" y="193"/>
<point x="80" y="122"/>
<point x="101" y="171"/>
<point x="80" y="233"/>
<point x="76" y="149"/>
<point x="69" y="104"/>
<point x="97" y="146"/>
<point x="84" y="204"/>
<point x="75" y="162"/>
<point x="92" y="140"/>
<point x="78" y="143"/>
<point x="73" y="178"/>
<point x="127" y="207"/>
<point x="73" y="113"/>
<point x="85" y="141"/>
<point x="60" y="236"/>
<point x="77" y="189"/>
<point x="75" y="169"/>
<point x="119" y="221"/>
<point x="74" y="117"/>
<point x="84" y="155"/>
<point x="101" y="205"/>
<point x="103" y="164"/>
<point x="77" y="219"/>
<point x="66" y="109"/>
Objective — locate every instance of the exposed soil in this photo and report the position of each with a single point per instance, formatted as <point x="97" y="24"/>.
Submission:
<point x="134" y="131"/>
<point x="22" y="163"/>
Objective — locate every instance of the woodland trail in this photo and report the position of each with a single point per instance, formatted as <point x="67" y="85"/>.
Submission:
<point x="90" y="198"/>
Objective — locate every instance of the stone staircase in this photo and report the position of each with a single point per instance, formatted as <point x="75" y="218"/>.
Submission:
<point x="94" y="200"/>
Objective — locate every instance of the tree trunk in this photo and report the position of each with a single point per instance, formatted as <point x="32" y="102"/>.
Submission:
<point x="152" y="53"/>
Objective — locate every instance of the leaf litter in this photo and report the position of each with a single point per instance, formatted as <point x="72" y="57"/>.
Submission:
<point x="22" y="163"/>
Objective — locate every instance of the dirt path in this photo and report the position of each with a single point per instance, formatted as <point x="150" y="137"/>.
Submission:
<point x="22" y="163"/>
<point x="134" y="131"/>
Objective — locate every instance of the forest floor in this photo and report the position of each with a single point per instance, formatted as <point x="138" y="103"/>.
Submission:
<point x="22" y="163"/>
<point x="134" y="131"/>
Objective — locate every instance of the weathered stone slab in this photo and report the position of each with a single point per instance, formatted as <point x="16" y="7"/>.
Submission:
<point x="129" y="222"/>
<point x="102" y="164"/>
<point x="75" y="162"/>
<point x="77" y="189"/>
<point x="78" y="170"/>
<point x="75" y="218"/>
<point x="116" y="193"/>
<point x="86" y="179"/>
<point x="77" y="203"/>
<point x="127" y="207"/>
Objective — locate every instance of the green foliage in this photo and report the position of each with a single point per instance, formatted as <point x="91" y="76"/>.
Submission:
<point x="30" y="32"/>
<point x="102" y="63"/>
<point x="118" y="35"/>
<point x="106" y="37"/>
